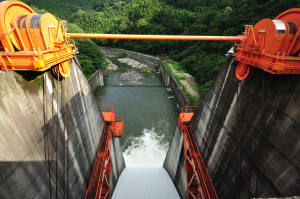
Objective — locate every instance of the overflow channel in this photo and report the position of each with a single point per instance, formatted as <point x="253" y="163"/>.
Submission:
<point x="150" y="115"/>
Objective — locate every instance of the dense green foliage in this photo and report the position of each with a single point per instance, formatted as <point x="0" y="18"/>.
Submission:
<point x="181" y="17"/>
<point x="90" y="58"/>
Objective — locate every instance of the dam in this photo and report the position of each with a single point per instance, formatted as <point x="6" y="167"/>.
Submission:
<point x="214" y="128"/>
<point x="241" y="141"/>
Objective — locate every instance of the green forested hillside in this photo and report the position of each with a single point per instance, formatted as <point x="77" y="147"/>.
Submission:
<point x="181" y="17"/>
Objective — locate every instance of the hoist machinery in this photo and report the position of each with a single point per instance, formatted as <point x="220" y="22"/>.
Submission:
<point x="33" y="42"/>
<point x="38" y="42"/>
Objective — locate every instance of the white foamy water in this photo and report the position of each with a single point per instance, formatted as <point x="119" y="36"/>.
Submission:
<point x="148" y="150"/>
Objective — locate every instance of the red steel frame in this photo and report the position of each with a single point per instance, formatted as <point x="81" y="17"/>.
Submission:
<point x="199" y="184"/>
<point x="100" y="179"/>
<point x="198" y="181"/>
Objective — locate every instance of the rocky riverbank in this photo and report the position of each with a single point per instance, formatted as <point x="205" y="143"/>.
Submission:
<point x="133" y="77"/>
<point x="131" y="62"/>
<point x="111" y="67"/>
<point x="136" y="64"/>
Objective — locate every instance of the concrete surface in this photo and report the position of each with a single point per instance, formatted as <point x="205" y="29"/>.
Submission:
<point x="216" y="124"/>
<point x="172" y="83"/>
<point x="96" y="80"/>
<point x="117" y="164"/>
<point x="28" y="122"/>
<point x="175" y="163"/>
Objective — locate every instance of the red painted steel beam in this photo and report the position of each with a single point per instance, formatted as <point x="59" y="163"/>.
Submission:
<point x="100" y="179"/>
<point x="198" y="181"/>
<point x="155" y="37"/>
<point x="199" y="184"/>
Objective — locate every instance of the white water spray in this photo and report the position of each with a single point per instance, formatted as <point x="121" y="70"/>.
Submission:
<point x="148" y="150"/>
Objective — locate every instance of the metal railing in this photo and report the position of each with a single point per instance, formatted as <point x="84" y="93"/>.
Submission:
<point x="119" y="118"/>
<point x="96" y="183"/>
<point x="106" y="108"/>
<point x="188" y="109"/>
<point x="206" y="187"/>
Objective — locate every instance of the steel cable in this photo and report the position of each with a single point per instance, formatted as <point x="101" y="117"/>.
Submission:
<point x="261" y="120"/>
<point x="240" y="138"/>
<point x="57" y="130"/>
<point x="236" y="138"/>
<point x="249" y="138"/>
<point x="48" y="148"/>
<point x="64" y="119"/>
<point x="68" y="139"/>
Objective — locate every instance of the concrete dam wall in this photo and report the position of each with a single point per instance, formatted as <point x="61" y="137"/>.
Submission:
<point x="221" y="129"/>
<point x="172" y="83"/>
<point x="28" y="132"/>
<point x="96" y="80"/>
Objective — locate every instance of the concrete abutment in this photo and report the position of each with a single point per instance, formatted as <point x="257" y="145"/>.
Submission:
<point x="216" y="125"/>
<point x="29" y="120"/>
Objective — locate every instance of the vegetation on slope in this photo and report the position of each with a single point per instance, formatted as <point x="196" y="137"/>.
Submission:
<point x="90" y="56"/>
<point x="181" y="17"/>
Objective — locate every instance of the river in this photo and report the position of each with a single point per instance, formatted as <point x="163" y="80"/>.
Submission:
<point x="150" y="115"/>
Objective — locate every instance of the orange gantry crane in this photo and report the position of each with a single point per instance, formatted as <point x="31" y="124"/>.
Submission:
<point x="100" y="179"/>
<point x="199" y="184"/>
<point x="38" y="42"/>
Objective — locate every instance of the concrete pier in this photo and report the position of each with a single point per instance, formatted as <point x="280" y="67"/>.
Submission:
<point x="221" y="132"/>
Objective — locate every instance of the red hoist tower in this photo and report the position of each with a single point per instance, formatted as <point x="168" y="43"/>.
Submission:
<point x="198" y="181"/>
<point x="100" y="179"/>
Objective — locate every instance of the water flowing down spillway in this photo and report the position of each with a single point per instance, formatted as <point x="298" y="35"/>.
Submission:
<point x="150" y="115"/>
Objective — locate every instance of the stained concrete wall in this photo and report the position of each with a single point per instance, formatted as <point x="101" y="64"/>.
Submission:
<point x="96" y="80"/>
<point x="175" y="163"/>
<point x="28" y="122"/>
<point x="172" y="83"/>
<point x="216" y="125"/>
<point x="117" y="164"/>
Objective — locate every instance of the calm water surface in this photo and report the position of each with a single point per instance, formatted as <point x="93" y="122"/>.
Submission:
<point x="150" y="116"/>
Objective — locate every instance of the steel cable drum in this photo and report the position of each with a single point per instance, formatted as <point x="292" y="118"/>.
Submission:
<point x="31" y="41"/>
<point x="292" y="18"/>
<point x="11" y="12"/>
